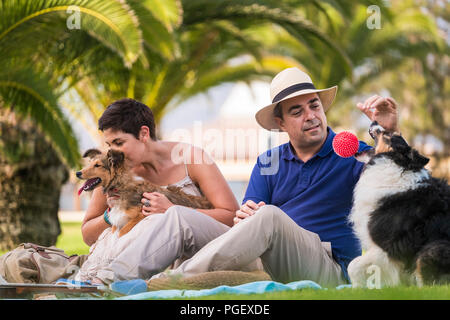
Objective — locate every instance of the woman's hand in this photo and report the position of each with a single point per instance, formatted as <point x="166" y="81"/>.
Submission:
<point x="154" y="202"/>
<point x="247" y="209"/>
<point x="382" y="110"/>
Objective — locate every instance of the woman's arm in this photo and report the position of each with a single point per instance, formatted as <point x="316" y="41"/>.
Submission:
<point x="93" y="223"/>
<point x="215" y="188"/>
<point x="212" y="184"/>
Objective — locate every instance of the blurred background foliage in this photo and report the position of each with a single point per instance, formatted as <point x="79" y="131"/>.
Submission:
<point x="163" y="52"/>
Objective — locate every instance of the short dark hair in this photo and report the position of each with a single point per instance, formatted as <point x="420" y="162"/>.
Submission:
<point x="128" y="115"/>
<point x="277" y="111"/>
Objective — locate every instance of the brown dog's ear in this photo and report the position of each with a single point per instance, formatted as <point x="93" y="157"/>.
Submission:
<point x="115" y="158"/>
<point x="91" y="153"/>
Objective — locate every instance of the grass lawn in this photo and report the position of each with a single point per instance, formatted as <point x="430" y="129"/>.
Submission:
<point x="399" y="293"/>
<point x="71" y="241"/>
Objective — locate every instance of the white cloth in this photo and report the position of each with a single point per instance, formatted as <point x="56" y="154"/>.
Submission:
<point x="187" y="185"/>
<point x="107" y="247"/>
<point x="158" y="241"/>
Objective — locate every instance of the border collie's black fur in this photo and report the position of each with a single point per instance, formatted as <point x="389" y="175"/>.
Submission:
<point x="414" y="228"/>
<point x="402" y="154"/>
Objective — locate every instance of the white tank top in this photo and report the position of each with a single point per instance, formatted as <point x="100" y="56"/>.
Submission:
<point x="187" y="185"/>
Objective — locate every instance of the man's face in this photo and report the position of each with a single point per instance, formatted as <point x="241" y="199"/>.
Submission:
<point x="304" y="120"/>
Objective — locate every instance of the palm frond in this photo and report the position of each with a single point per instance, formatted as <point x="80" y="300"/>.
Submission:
<point x="203" y="11"/>
<point x="249" y="69"/>
<point x="169" y="12"/>
<point x="157" y="21"/>
<point x="30" y="95"/>
<point x="112" y="23"/>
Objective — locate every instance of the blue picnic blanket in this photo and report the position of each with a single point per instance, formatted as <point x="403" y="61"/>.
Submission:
<point x="137" y="289"/>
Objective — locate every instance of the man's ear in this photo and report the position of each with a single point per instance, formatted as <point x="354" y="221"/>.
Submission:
<point x="279" y="122"/>
<point x="91" y="153"/>
<point x="115" y="158"/>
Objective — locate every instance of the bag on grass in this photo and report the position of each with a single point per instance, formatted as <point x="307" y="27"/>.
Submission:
<point x="31" y="263"/>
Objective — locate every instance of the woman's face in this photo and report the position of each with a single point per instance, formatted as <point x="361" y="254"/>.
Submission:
<point x="133" y="148"/>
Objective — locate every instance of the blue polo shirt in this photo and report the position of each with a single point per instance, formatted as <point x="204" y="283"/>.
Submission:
<point x="316" y="194"/>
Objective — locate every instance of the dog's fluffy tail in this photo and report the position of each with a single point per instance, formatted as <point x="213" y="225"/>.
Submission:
<point x="433" y="263"/>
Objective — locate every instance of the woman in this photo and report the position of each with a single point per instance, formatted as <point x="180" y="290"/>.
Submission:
<point x="128" y="126"/>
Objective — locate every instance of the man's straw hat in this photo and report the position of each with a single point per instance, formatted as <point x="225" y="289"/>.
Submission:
<point x="289" y="83"/>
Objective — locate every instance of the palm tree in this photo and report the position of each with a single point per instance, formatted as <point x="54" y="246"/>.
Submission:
<point x="42" y="58"/>
<point x="31" y="175"/>
<point x="160" y="52"/>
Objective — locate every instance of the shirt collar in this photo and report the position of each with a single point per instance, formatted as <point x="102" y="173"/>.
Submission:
<point x="328" y="145"/>
<point x="288" y="153"/>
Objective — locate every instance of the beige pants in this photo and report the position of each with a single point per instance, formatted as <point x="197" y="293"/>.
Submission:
<point x="287" y="251"/>
<point x="160" y="240"/>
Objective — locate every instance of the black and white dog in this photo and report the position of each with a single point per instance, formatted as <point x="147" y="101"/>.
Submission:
<point x="401" y="214"/>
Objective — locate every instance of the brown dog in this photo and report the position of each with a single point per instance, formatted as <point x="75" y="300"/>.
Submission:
<point x="125" y="189"/>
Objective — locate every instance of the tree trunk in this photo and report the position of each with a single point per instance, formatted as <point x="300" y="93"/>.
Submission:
<point x="31" y="177"/>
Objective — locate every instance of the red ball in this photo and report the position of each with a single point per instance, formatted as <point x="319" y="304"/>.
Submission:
<point x="345" y="144"/>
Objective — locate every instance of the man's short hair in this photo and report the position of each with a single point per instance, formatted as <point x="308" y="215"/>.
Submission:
<point x="277" y="111"/>
<point x="128" y="115"/>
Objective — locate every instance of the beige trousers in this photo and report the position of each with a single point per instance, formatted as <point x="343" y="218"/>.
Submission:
<point x="158" y="241"/>
<point x="287" y="252"/>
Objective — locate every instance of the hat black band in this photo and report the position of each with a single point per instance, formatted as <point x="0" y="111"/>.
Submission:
<point x="296" y="87"/>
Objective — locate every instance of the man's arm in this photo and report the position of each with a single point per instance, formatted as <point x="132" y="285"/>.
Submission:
<point x="382" y="110"/>
<point x="257" y="189"/>
<point x="256" y="196"/>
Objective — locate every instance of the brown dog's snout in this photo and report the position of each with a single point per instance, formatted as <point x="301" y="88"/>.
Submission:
<point x="79" y="174"/>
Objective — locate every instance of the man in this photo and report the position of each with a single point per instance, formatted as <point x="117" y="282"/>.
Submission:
<point x="294" y="213"/>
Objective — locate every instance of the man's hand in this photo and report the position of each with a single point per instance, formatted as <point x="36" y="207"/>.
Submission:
<point x="247" y="209"/>
<point x="382" y="110"/>
<point x="158" y="203"/>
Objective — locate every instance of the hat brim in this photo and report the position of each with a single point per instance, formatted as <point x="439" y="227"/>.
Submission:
<point x="266" y="119"/>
